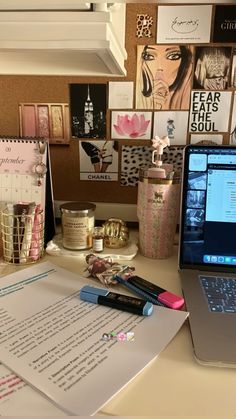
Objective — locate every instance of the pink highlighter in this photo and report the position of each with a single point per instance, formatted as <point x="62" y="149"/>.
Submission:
<point x="149" y="291"/>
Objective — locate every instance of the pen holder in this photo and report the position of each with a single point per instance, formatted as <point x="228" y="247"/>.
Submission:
<point x="22" y="237"/>
<point x="157" y="211"/>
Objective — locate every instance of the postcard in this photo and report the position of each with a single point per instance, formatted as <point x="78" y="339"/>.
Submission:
<point x="121" y="94"/>
<point x="212" y="68"/>
<point x="209" y="111"/>
<point x="98" y="160"/>
<point x="182" y="24"/>
<point x="88" y="110"/>
<point x="224" y="23"/>
<point x="134" y="157"/>
<point x="131" y="125"/>
<point x="172" y="124"/>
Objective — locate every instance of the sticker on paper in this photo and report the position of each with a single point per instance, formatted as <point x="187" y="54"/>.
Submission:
<point x="144" y="23"/>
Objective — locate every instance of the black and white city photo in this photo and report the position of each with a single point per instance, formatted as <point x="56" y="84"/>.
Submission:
<point x="88" y="105"/>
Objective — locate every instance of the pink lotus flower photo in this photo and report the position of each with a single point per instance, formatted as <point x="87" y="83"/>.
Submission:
<point x="131" y="125"/>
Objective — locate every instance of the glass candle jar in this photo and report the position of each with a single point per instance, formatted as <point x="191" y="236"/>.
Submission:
<point x="77" y="219"/>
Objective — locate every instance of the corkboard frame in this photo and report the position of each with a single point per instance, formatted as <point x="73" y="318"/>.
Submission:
<point x="50" y="89"/>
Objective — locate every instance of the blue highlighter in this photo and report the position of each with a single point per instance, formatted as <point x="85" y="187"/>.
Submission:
<point x="119" y="301"/>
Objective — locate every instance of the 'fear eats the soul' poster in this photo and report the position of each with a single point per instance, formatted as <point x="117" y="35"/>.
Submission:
<point x="209" y="111"/>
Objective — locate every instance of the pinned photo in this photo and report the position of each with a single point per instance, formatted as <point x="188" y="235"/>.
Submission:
<point x="163" y="76"/>
<point x="212" y="68"/>
<point x="209" y="111"/>
<point x="98" y="160"/>
<point x="88" y="110"/>
<point x="172" y="124"/>
<point x="121" y="95"/>
<point x="184" y="23"/>
<point x="131" y="125"/>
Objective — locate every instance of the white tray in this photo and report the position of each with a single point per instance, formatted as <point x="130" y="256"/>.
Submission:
<point x="55" y="248"/>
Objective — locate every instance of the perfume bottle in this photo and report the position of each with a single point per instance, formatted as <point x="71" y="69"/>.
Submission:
<point x="98" y="239"/>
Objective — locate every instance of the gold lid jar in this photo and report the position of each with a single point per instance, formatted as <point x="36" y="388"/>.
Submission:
<point x="77" y="220"/>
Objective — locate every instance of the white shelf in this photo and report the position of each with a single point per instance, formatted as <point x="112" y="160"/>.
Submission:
<point x="62" y="43"/>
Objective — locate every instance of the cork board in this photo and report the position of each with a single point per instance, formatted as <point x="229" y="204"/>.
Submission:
<point x="49" y="89"/>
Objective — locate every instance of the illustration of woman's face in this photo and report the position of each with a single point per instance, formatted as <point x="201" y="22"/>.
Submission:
<point x="163" y="61"/>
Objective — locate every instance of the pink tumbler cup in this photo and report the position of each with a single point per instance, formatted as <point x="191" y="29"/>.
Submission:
<point x="157" y="210"/>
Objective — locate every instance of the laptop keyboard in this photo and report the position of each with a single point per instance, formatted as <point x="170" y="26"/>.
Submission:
<point x="220" y="293"/>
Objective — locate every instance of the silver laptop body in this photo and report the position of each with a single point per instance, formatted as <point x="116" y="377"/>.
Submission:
<point x="207" y="251"/>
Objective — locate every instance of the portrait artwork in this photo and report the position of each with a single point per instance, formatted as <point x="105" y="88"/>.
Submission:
<point x="163" y="79"/>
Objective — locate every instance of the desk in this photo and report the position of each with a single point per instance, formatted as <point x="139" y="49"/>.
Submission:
<point x="174" y="384"/>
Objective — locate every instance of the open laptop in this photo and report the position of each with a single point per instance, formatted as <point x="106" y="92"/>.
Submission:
<point x="207" y="251"/>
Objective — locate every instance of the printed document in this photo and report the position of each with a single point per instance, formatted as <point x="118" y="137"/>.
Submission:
<point x="18" y="398"/>
<point x="54" y="341"/>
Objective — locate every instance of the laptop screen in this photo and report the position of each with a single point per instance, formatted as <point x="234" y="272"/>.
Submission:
<point x="208" y="209"/>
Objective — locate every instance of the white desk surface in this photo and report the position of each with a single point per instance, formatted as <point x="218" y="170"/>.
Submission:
<point x="174" y="384"/>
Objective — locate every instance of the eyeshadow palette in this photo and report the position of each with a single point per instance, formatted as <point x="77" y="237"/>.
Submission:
<point x="48" y="120"/>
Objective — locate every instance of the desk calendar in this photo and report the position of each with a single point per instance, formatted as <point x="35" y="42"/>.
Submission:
<point x="23" y="164"/>
<point x="25" y="176"/>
